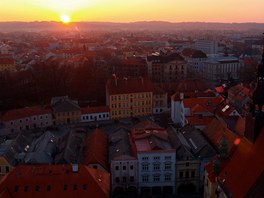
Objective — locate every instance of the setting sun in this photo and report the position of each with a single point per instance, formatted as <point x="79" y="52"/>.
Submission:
<point x="65" y="19"/>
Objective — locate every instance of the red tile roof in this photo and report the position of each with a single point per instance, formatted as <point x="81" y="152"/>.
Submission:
<point x="96" y="149"/>
<point x="7" y="61"/>
<point x="217" y="131"/>
<point x="34" y="181"/>
<point x="208" y="103"/>
<point x="25" y="112"/>
<point x="194" y="120"/>
<point x="90" y="110"/>
<point x="129" y="85"/>
<point x="245" y="167"/>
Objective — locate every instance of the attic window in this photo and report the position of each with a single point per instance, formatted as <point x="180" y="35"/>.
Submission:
<point x="26" y="189"/>
<point x="74" y="187"/>
<point x="48" y="187"/>
<point x="37" y="188"/>
<point x="84" y="186"/>
<point x="16" y="188"/>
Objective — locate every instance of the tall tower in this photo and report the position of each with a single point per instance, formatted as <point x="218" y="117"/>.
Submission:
<point x="255" y="119"/>
<point x="258" y="95"/>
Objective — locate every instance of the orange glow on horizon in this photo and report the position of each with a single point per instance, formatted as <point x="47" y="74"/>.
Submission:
<point x="136" y="10"/>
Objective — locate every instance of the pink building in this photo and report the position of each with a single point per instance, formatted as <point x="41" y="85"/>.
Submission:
<point x="17" y="120"/>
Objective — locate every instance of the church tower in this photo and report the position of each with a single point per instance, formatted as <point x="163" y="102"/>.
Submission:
<point x="255" y="119"/>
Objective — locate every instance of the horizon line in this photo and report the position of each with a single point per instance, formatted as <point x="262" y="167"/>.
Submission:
<point x="128" y="22"/>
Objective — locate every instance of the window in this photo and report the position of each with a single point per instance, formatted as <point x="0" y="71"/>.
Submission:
<point x="145" y="167"/>
<point x="181" y="174"/>
<point x="124" y="179"/>
<point x="167" y="178"/>
<point x="187" y="174"/>
<point x="84" y="186"/>
<point x="11" y="123"/>
<point x="117" y="179"/>
<point x="16" y="188"/>
<point x="95" y="166"/>
<point x="48" y="187"/>
<point x="167" y="157"/>
<point x="131" y="167"/>
<point x="117" y="168"/>
<point x="156" y="167"/>
<point x="74" y="187"/>
<point x="156" y="178"/>
<point x="145" y="178"/>
<point x="7" y="169"/>
<point x="144" y="158"/>
<point x="40" y="117"/>
<point x="65" y="187"/>
<point x="26" y="189"/>
<point x="124" y="167"/>
<point x="187" y="163"/>
<point x="156" y="158"/>
<point x="193" y="173"/>
<point x="131" y="179"/>
<point x="167" y="166"/>
<point x="37" y="188"/>
<point x="20" y="121"/>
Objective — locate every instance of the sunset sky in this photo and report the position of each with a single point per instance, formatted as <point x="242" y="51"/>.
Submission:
<point x="134" y="10"/>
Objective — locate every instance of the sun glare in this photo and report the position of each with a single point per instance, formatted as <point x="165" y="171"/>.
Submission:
<point x="65" y="19"/>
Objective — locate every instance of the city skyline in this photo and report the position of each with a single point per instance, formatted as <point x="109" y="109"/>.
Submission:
<point x="123" y="11"/>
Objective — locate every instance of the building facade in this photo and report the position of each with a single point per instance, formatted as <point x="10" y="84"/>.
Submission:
<point x="129" y="97"/>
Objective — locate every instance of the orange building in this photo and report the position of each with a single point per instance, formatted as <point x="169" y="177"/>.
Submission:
<point x="129" y="97"/>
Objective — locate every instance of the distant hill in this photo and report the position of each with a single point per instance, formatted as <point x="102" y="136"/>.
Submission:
<point x="141" y="25"/>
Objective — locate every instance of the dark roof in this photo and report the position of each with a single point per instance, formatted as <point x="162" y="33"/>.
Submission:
<point x="198" y="54"/>
<point x="64" y="104"/>
<point x="25" y="112"/>
<point x="119" y="144"/>
<point x="165" y="58"/>
<point x="71" y="147"/>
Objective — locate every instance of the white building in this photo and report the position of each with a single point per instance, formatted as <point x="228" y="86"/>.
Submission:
<point x="222" y="67"/>
<point x="90" y="114"/>
<point x="156" y="159"/>
<point x="207" y="46"/>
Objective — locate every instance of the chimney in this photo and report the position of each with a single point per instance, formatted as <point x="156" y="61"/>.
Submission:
<point x="114" y="75"/>
<point x="142" y="80"/>
<point x="75" y="168"/>
<point x="181" y="96"/>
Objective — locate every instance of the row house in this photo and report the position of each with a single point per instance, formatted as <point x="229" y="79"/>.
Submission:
<point x="65" y="111"/>
<point x="27" y="118"/>
<point x="123" y="162"/>
<point x="166" y="67"/>
<point x="129" y="97"/>
<point x="156" y="159"/>
<point x="160" y="100"/>
<point x="90" y="114"/>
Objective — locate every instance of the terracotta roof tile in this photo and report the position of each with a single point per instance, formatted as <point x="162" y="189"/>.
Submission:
<point x="25" y="112"/>
<point x="96" y="149"/>
<point x="217" y="131"/>
<point x="35" y="181"/>
<point x="89" y="110"/>
<point x="245" y="167"/>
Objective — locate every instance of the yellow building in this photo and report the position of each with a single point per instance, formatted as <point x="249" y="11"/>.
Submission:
<point x="65" y="111"/>
<point x="7" y="64"/>
<point x="129" y="97"/>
